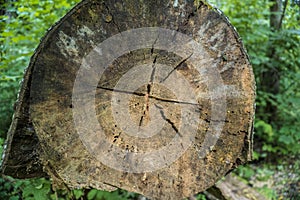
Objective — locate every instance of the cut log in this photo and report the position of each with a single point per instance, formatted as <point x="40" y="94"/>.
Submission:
<point x="233" y="188"/>
<point x="152" y="97"/>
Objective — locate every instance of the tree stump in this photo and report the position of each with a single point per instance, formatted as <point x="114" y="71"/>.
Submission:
<point x="152" y="97"/>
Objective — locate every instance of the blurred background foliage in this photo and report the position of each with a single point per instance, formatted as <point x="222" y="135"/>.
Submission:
<point x="270" y="30"/>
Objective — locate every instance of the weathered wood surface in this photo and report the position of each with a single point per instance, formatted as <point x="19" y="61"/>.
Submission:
<point x="233" y="188"/>
<point x="71" y="148"/>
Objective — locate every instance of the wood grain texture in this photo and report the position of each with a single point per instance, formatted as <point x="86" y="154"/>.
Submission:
<point x="52" y="73"/>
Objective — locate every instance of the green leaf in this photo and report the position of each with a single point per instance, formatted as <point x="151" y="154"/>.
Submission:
<point x="39" y="186"/>
<point x="78" y="193"/>
<point x="92" y="194"/>
<point x="38" y="189"/>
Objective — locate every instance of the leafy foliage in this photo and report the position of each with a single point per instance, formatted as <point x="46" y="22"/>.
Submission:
<point x="37" y="189"/>
<point x="115" y="195"/>
<point x="33" y="189"/>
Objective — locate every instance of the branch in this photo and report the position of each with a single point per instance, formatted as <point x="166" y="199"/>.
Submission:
<point x="283" y="14"/>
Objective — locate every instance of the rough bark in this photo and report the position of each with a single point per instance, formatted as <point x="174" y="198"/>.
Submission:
<point x="49" y="82"/>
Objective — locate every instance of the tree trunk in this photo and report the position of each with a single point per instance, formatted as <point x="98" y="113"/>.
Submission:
<point x="152" y="97"/>
<point x="271" y="76"/>
<point x="276" y="13"/>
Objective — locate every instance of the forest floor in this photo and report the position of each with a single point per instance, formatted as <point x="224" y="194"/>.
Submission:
<point x="282" y="176"/>
<point x="269" y="178"/>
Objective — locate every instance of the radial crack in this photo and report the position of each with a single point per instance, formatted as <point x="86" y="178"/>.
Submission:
<point x="153" y="70"/>
<point x="147" y="96"/>
<point x="152" y="48"/>
<point x="121" y="91"/>
<point x="167" y="119"/>
<point x="150" y="96"/>
<point x="176" y="67"/>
